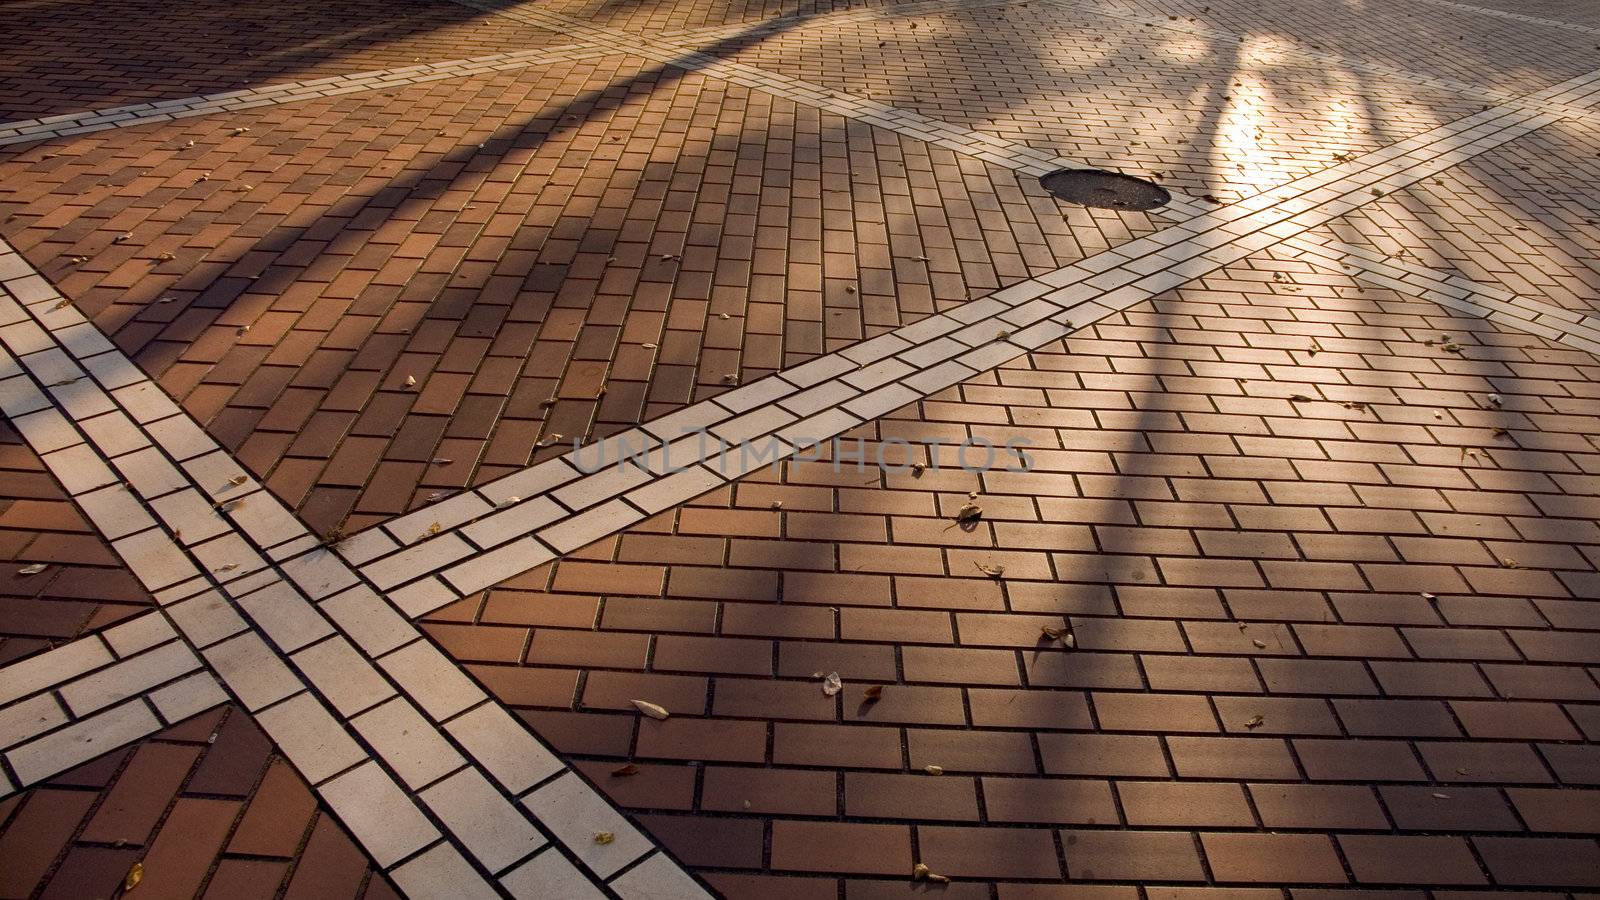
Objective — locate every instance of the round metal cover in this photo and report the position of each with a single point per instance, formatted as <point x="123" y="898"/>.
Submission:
<point x="1105" y="190"/>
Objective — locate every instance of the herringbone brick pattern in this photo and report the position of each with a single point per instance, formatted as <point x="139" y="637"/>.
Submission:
<point x="1326" y="556"/>
<point x="65" y="58"/>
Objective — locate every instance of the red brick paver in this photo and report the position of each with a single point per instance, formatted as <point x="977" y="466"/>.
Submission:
<point x="70" y="57"/>
<point x="1330" y="628"/>
<point x="83" y="586"/>
<point x="563" y="267"/>
<point x="206" y="808"/>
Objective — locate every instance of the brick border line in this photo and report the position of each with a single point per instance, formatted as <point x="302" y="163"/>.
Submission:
<point x="1576" y="330"/>
<point x="448" y="792"/>
<point x="479" y="537"/>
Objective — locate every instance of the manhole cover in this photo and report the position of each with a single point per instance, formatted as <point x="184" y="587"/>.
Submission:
<point x="1105" y="190"/>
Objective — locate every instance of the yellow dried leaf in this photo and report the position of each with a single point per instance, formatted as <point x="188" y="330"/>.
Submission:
<point x="1255" y="722"/>
<point x="604" y="837"/>
<point x="135" y="875"/>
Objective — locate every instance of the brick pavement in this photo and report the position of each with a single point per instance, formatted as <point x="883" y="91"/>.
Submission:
<point x="83" y="585"/>
<point x="63" y="57"/>
<point x="680" y="245"/>
<point x="1314" y="638"/>
<point x="1067" y="78"/>
<point x="1549" y="249"/>
<point x="205" y="808"/>
<point x="1311" y="558"/>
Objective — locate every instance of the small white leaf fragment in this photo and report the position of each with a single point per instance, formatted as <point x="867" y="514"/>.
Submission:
<point x="650" y="709"/>
<point x="510" y="501"/>
<point x="34" y="569"/>
<point x="1428" y="596"/>
<point x="923" y="873"/>
<point x="831" y="684"/>
<point x="411" y="381"/>
<point x="993" y="571"/>
<point x="933" y="770"/>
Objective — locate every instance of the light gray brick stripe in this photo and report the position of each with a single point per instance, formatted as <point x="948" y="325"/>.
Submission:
<point x="66" y="124"/>
<point x="480" y="537"/>
<point x="1564" y="326"/>
<point x="432" y="776"/>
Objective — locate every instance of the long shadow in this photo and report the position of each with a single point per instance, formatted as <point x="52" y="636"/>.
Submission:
<point x="409" y="197"/>
<point x="100" y="59"/>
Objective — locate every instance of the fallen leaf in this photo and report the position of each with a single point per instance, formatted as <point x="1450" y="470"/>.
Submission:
<point x="1255" y="722"/>
<point x="433" y="528"/>
<point x="650" y="709"/>
<point x="34" y="569"/>
<point x="1299" y="398"/>
<point x="971" y="512"/>
<point x="238" y="480"/>
<point x="134" y="876"/>
<point x="1496" y="400"/>
<point x="509" y="501"/>
<point x="1260" y="644"/>
<point x="917" y="469"/>
<point x="441" y="461"/>
<point x="873" y="693"/>
<point x="226" y="568"/>
<point x="122" y="239"/>
<point x="1064" y="635"/>
<point x="1428" y="596"/>
<point x="923" y="873"/>
<point x="627" y="771"/>
<point x="994" y="571"/>
<point x="648" y="346"/>
<point x="604" y="837"/>
<point x="411" y="381"/>
<point x="831" y="684"/>
<point x="1439" y="796"/>
<point x="1210" y="198"/>
<point x="933" y="770"/>
<point x="62" y="304"/>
